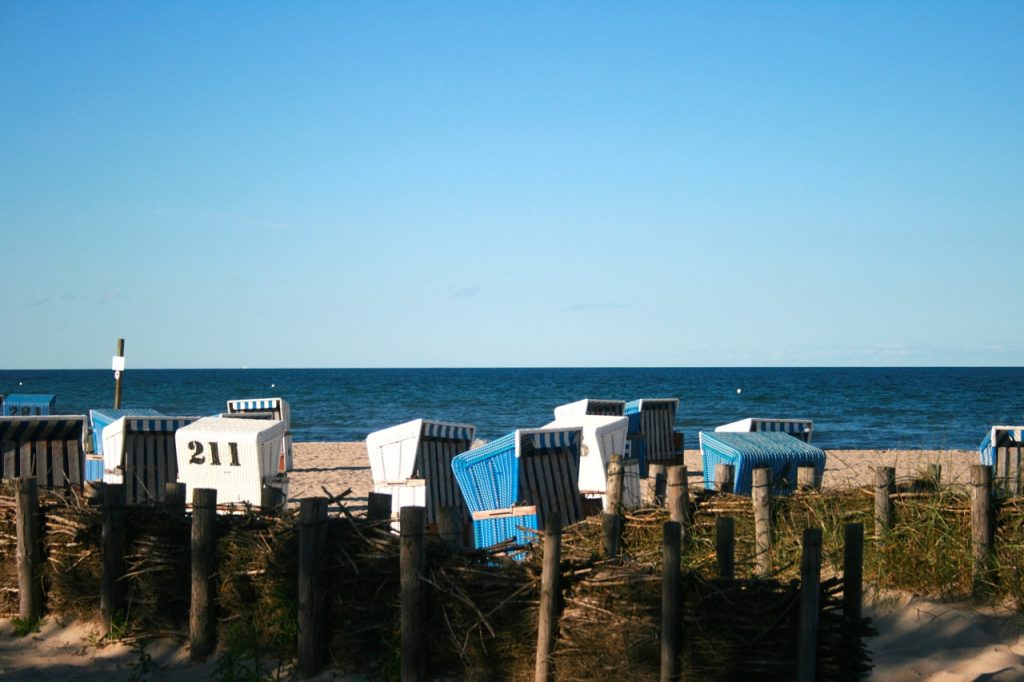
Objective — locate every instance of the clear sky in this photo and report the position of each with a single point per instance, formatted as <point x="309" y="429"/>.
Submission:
<point x="363" y="184"/>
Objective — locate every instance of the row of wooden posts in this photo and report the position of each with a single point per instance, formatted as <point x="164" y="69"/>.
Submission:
<point x="312" y="541"/>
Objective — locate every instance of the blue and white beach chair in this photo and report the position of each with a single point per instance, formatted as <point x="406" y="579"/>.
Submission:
<point x="651" y="431"/>
<point x="603" y="436"/>
<point x="747" y="451"/>
<point x="592" y="406"/>
<point x="513" y="483"/>
<point x="268" y="408"/>
<point x="49" y="448"/>
<point x="29" y="404"/>
<point x="100" y="419"/>
<point x="1003" y="450"/>
<point x="139" y="452"/>
<point x="412" y="462"/>
<point x="798" y="428"/>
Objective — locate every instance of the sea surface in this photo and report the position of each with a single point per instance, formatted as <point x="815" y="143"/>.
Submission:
<point x="917" y="408"/>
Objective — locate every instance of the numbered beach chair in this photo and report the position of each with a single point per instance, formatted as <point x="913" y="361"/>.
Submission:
<point x="798" y="428"/>
<point x="602" y="437"/>
<point x="29" y="404"/>
<point x="592" y="406"/>
<point x="235" y="457"/>
<point x="412" y="462"/>
<point x="747" y="451"/>
<point x="651" y="434"/>
<point x="49" y="448"/>
<point x="268" y="408"/>
<point x="139" y="453"/>
<point x="1003" y="450"/>
<point x="100" y="419"/>
<point x="513" y="483"/>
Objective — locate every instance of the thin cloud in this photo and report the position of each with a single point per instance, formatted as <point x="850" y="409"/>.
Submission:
<point x="586" y="307"/>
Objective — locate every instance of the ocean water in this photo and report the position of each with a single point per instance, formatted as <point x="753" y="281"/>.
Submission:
<point x="851" y="407"/>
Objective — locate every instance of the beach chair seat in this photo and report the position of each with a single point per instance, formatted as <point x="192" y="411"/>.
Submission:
<point x="49" y="448"/>
<point x="518" y="480"/>
<point x="412" y="462"/>
<point x="1003" y="450"/>
<point x="651" y="435"/>
<point x="781" y="452"/>
<point x="798" y="428"/>
<point x="100" y="419"/>
<point x="602" y="437"/>
<point x="592" y="406"/>
<point x="268" y="408"/>
<point x="29" y="404"/>
<point x="139" y="453"/>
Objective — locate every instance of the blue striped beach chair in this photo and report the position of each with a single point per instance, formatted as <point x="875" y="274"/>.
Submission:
<point x="592" y="406"/>
<point x="49" y="448"/>
<point x="747" y="451"/>
<point x="29" y="404"/>
<point x="412" y="462"/>
<point x="652" y="435"/>
<point x="140" y="453"/>
<point x="513" y="483"/>
<point x="798" y="428"/>
<point x="268" y="408"/>
<point x="99" y="419"/>
<point x="1003" y="450"/>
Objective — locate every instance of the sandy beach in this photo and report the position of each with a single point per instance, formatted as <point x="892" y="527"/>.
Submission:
<point x="918" y="639"/>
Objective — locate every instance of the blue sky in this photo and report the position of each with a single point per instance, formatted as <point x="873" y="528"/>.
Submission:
<point x="521" y="184"/>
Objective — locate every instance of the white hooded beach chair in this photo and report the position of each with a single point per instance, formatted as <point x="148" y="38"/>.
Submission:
<point x="798" y="428"/>
<point x="412" y="462"/>
<point x="139" y="453"/>
<point x="268" y="408"/>
<point x="49" y="448"/>
<point x="603" y="436"/>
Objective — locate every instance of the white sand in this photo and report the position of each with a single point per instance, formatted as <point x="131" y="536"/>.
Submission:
<point x="918" y="640"/>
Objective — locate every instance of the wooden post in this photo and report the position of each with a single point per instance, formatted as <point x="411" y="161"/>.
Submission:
<point x="654" y="488"/>
<point x="611" y="528"/>
<point x="981" y="526"/>
<point x="174" y="498"/>
<point x="613" y="493"/>
<point x="806" y="477"/>
<point x="112" y="543"/>
<point x="412" y="524"/>
<point x="935" y="474"/>
<point x="312" y="540"/>
<point x="201" y="619"/>
<point x="761" y="493"/>
<point x="671" y="600"/>
<point x="271" y="499"/>
<point x="725" y="546"/>
<point x="449" y="526"/>
<point x="550" y="591"/>
<point x="378" y="507"/>
<point x="678" y="493"/>
<point x="885" y="486"/>
<point x="29" y="551"/>
<point x="117" y="376"/>
<point x="810" y="596"/>
<point x="724" y="474"/>
<point x="853" y="571"/>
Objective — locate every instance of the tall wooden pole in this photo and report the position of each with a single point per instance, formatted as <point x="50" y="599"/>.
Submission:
<point x="981" y="526"/>
<point x="762" y="500"/>
<point x="29" y="552"/>
<point x="118" y="373"/>
<point x="725" y="546"/>
<point x="201" y="619"/>
<point x="671" y="600"/>
<point x="678" y="493"/>
<point x="412" y="562"/>
<point x="112" y="545"/>
<point x="312" y="621"/>
<point x="550" y="589"/>
<point x="810" y="601"/>
<point x="885" y="486"/>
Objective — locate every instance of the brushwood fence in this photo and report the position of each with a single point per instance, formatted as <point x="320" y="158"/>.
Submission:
<point x="677" y="599"/>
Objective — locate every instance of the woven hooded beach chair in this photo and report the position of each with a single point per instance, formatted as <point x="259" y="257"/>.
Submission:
<point x="100" y="419"/>
<point x="602" y="437"/>
<point x="513" y="483"/>
<point x="412" y="462"/>
<point x="268" y="408"/>
<point x="140" y="453"/>
<point x="29" y="404"/>
<point x="798" y="428"/>
<point x="49" y="448"/>
<point x="1003" y="450"/>
<point x="781" y="452"/>
<point x="651" y="433"/>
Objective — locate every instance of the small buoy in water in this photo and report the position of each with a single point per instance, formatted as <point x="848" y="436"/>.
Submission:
<point x="273" y="385"/>
<point x="20" y="384"/>
<point x="739" y="390"/>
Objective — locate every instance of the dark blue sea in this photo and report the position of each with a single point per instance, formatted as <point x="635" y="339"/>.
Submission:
<point x="851" y="407"/>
